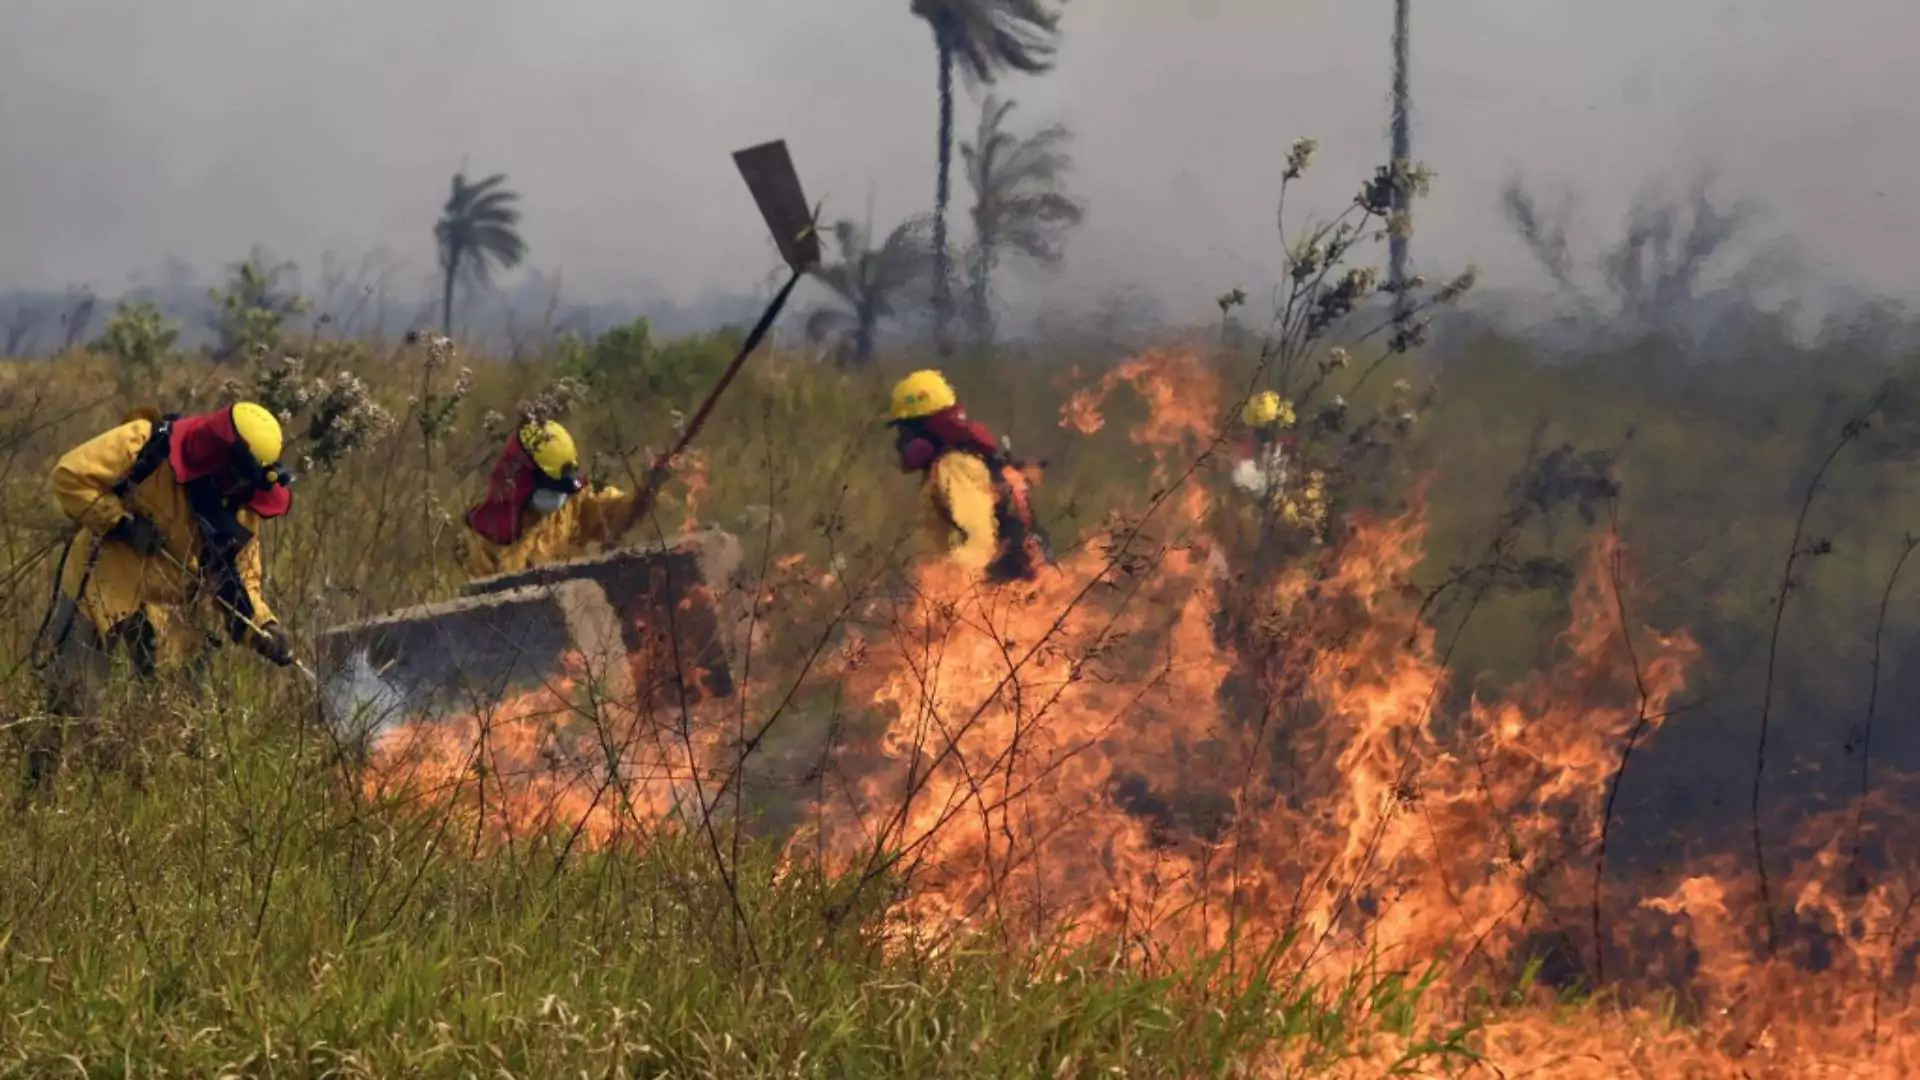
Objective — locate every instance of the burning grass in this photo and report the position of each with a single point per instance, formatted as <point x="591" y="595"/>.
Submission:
<point x="1153" y="814"/>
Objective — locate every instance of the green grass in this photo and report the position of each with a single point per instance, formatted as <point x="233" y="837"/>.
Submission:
<point x="246" y="914"/>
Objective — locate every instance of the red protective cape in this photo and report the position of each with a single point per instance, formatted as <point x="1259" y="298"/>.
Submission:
<point x="509" y="486"/>
<point x="202" y="445"/>
<point x="948" y="429"/>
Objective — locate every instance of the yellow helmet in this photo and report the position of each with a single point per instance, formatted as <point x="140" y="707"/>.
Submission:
<point x="1265" y="409"/>
<point x="550" y="447"/>
<point x="257" y="428"/>
<point x="922" y="393"/>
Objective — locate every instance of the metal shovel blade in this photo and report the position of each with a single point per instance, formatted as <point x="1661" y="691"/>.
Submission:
<point x="769" y="173"/>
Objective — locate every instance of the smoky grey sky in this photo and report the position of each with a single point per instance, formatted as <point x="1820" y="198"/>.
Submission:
<point x="136" y="130"/>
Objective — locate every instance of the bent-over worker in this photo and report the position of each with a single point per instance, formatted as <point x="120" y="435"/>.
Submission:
<point x="538" y="508"/>
<point x="167" y="509"/>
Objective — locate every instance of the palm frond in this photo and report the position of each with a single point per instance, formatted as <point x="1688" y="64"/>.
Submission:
<point x="991" y="144"/>
<point x="870" y="283"/>
<point x="1017" y="185"/>
<point x="1041" y="156"/>
<point x="841" y="278"/>
<point x="1037" y="227"/>
<point x="500" y="241"/>
<point x="987" y="37"/>
<point x="490" y="185"/>
<point x="1020" y="204"/>
<point x="493" y="206"/>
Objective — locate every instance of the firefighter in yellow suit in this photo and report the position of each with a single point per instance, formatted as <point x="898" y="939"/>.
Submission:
<point x="956" y="507"/>
<point x="168" y="509"/>
<point x="538" y="508"/>
<point x="985" y="527"/>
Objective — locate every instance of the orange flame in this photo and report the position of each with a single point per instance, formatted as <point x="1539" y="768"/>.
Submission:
<point x="1094" y="756"/>
<point x="1082" y="757"/>
<point x="694" y="474"/>
<point x="551" y="760"/>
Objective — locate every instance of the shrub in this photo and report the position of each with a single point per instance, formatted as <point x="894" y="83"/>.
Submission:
<point x="141" y="338"/>
<point x="626" y="360"/>
<point x="252" y="310"/>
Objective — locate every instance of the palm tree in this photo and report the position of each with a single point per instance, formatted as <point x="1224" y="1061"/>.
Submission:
<point x="478" y="229"/>
<point x="869" y="283"/>
<point x="985" y="37"/>
<point x="1018" y="201"/>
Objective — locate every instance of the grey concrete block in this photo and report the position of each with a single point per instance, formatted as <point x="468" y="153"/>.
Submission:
<point x="640" y="626"/>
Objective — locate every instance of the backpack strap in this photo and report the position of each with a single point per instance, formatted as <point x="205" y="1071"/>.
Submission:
<point x="151" y="456"/>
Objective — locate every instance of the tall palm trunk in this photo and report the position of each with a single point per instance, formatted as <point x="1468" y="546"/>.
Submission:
<point x="863" y="336"/>
<point x="982" y="285"/>
<point x="446" y="292"/>
<point x="942" y="194"/>
<point x="1402" y="155"/>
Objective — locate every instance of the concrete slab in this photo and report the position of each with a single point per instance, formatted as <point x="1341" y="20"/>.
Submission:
<point x="640" y="627"/>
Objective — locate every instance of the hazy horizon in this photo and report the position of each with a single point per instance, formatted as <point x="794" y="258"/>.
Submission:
<point x="194" y="130"/>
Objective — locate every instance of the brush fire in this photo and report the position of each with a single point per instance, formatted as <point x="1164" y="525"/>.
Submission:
<point x="1141" y="751"/>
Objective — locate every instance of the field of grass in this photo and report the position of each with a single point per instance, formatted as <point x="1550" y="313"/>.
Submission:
<point x="211" y="891"/>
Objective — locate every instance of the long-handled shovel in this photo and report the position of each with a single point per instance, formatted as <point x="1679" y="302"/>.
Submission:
<point x="769" y="173"/>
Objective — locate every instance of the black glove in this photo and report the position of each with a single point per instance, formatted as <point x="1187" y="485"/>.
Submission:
<point x="138" y="533"/>
<point x="271" y="642"/>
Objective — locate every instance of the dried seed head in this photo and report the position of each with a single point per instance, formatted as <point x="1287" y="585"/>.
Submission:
<point x="1299" y="157"/>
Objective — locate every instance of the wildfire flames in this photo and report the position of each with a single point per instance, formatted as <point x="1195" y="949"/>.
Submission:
<point x="693" y="471"/>
<point x="1086" y="756"/>
<point x="1100" y="755"/>
<point x="553" y="761"/>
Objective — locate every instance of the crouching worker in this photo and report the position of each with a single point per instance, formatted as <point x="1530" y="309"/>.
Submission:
<point x="539" y="509"/>
<point x="974" y="502"/>
<point x="167" y="509"/>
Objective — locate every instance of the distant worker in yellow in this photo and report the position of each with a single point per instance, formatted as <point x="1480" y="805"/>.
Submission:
<point x="973" y="501"/>
<point x="167" y="509"/>
<point x="1281" y="518"/>
<point x="1289" y="501"/>
<point x="1260" y="450"/>
<point x="539" y="508"/>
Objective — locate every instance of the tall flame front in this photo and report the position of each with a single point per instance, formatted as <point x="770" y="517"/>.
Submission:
<point x="1087" y="756"/>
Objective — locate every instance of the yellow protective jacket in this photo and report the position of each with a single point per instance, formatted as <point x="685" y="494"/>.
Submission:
<point x="957" y="509"/>
<point x="121" y="581"/>
<point x="596" y="516"/>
